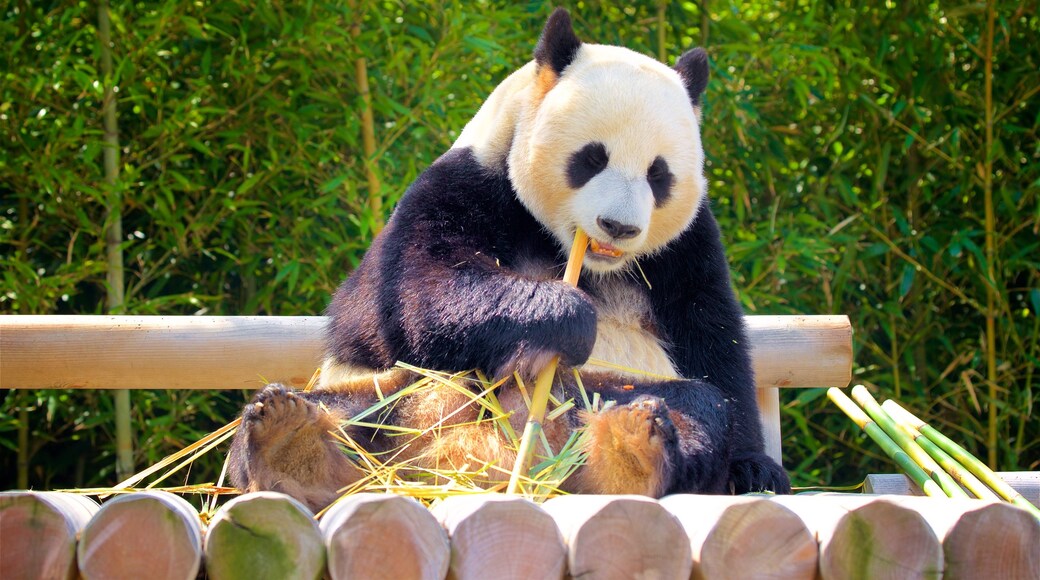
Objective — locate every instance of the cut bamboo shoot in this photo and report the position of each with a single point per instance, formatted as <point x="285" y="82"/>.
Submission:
<point x="152" y="534"/>
<point x="38" y="533"/>
<point x="868" y="538"/>
<point x="499" y="536"/>
<point x="372" y="535"/>
<point x="264" y="535"/>
<point x="739" y="537"/>
<point x="1025" y="483"/>
<point x="621" y="537"/>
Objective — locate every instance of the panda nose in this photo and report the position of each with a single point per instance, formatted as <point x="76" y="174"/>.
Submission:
<point x="616" y="229"/>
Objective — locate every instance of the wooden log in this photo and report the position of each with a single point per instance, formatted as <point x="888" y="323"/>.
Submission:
<point x="264" y="535"/>
<point x="384" y="536"/>
<point x="981" y="538"/>
<point x="38" y="533"/>
<point x="620" y="537"/>
<point x="238" y="352"/>
<point x="868" y="538"/>
<point x="150" y="534"/>
<point x="739" y="537"/>
<point x="1026" y="483"/>
<point x="494" y="536"/>
<point x="769" y="410"/>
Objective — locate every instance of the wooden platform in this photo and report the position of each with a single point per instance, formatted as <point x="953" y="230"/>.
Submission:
<point x="268" y="535"/>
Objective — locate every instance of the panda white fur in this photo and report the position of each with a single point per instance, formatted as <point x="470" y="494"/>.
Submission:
<point x="466" y="276"/>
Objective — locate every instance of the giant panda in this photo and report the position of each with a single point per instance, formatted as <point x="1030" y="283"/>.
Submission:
<point x="466" y="275"/>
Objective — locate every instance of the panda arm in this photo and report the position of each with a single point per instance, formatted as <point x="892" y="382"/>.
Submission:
<point x="459" y="304"/>
<point x="703" y="323"/>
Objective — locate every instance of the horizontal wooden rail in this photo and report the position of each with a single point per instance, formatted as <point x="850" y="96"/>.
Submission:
<point x="242" y="352"/>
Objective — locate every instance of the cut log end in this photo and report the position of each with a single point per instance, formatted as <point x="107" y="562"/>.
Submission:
<point x="154" y="535"/>
<point x="264" y="535"/>
<point x="744" y="537"/>
<point x="621" y="537"/>
<point x="496" y="536"/>
<point x="38" y="533"/>
<point x="996" y="540"/>
<point x="881" y="540"/>
<point x="384" y="536"/>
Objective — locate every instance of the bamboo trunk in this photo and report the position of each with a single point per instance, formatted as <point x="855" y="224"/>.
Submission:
<point x="868" y="538"/>
<point x="114" y="234"/>
<point x="384" y="536"/>
<point x="265" y="535"/>
<point x="38" y="533"/>
<point x="739" y="537"/>
<point x="499" y="536"/>
<point x="621" y="537"/>
<point x="151" y="534"/>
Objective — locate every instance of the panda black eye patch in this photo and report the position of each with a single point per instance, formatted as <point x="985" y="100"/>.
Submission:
<point x="586" y="163"/>
<point x="661" y="180"/>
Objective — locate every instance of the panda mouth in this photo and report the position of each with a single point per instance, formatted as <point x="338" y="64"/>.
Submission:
<point x="604" y="249"/>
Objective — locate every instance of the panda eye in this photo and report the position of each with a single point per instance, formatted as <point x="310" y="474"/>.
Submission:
<point x="661" y="180"/>
<point x="586" y="163"/>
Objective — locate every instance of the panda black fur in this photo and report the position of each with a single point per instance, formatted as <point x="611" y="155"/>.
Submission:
<point x="466" y="276"/>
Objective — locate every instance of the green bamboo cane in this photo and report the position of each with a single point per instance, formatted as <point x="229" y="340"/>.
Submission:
<point x="920" y="457"/>
<point x="871" y="428"/>
<point x="968" y="460"/>
<point x="958" y="472"/>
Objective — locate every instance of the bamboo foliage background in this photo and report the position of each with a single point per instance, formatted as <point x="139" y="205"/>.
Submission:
<point x="858" y="164"/>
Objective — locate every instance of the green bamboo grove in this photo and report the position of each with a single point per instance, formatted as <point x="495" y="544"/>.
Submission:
<point x="871" y="159"/>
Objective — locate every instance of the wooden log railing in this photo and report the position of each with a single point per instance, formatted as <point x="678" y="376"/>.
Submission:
<point x="828" y="536"/>
<point x="242" y="352"/>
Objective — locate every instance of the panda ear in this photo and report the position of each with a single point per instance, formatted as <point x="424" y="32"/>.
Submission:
<point x="693" y="68"/>
<point x="558" y="45"/>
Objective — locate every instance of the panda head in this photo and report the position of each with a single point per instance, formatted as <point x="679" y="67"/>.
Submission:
<point x="607" y="139"/>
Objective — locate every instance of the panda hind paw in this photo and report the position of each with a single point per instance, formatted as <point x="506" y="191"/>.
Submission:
<point x="631" y="448"/>
<point x="757" y="472"/>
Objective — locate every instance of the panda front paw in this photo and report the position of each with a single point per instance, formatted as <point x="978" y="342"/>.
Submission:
<point x="757" y="472"/>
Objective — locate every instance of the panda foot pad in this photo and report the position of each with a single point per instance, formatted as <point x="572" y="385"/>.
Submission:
<point x="631" y="447"/>
<point x="278" y="413"/>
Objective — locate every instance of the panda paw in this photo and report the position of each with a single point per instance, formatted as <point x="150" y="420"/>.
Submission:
<point x="285" y="446"/>
<point x="276" y="411"/>
<point x="631" y="449"/>
<point x="757" y="472"/>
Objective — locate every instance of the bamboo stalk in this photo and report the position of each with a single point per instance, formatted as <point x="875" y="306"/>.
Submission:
<point x="114" y="233"/>
<point x="543" y="384"/>
<point x="879" y="436"/>
<point x="972" y="463"/>
<point x="871" y="406"/>
<point x="23" y="444"/>
<point x="991" y="253"/>
<point x="958" y="472"/>
<point x="368" y="134"/>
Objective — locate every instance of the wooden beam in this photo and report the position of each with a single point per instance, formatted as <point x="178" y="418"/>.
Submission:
<point x="242" y="352"/>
